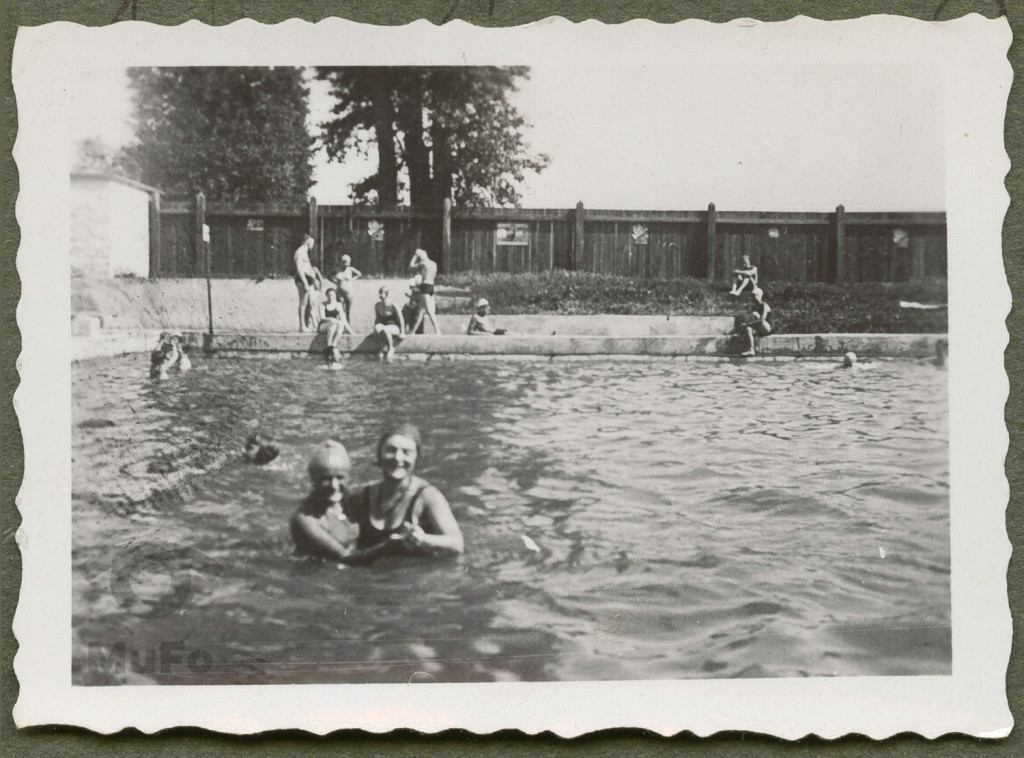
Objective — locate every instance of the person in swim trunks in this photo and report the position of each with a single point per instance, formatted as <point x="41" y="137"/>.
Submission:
<point x="319" y="528"/>
<point x="426" y="269"/>
<point x="387" y="324"/>
<point x="308" y="282"/>
<point x="402" y="513"/>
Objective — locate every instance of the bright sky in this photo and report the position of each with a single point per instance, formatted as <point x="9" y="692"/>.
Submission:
<point x="788" y="138"/>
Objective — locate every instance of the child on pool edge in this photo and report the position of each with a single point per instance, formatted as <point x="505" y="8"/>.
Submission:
<point x="481" y="323"/>
<point x="758" y="323"/>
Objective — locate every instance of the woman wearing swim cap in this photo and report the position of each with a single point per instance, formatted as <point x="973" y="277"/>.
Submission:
<point x="319" y="527"/>
<point x="343" y="279"/>
<point x="402" y="513"/>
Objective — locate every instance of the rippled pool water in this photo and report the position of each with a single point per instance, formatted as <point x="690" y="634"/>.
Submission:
<point x="693" y="519"/>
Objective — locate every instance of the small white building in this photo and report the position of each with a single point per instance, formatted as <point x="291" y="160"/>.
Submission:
<point x="109" y="226"/>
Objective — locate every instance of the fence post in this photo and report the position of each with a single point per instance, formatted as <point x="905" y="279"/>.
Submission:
<point x="313" y="231"/>
<point x="154" y="235"/>
<point x="446" y="229"/>
<point x="711" y="242"/>
<point x="840" y="244"/>
<point x="577" y="245"/>
<point x="202" y="261"/>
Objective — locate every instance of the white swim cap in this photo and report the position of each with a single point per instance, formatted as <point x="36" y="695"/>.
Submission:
<point x="330" y="455"/>
<point x="482" y="302"/>
<point x="346" y="259"/>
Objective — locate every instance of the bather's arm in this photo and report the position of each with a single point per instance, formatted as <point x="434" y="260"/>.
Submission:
<point x="311" y="538"/>
<point x="440" y="532"/>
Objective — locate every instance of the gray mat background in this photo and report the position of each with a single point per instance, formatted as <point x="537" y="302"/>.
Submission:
<point x="59" y="741"/>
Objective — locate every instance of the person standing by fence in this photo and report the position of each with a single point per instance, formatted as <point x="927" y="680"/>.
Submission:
<point x="343" y="279"/>
<point x="426" y="269"/>
<point x="308" y="281"/>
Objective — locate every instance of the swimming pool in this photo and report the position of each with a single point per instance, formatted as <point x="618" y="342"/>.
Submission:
<point x="691" y="519"/>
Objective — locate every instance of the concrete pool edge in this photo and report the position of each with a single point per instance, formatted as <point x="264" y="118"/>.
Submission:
<point x="110" y="342"/>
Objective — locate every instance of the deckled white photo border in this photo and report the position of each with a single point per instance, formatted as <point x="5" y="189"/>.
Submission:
<point x="970" y="53"/>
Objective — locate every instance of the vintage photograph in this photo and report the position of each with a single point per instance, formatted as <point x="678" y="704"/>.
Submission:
<point x="533" y="368"/>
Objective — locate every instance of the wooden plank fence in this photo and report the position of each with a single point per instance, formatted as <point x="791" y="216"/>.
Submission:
<point x="259" y="240"/>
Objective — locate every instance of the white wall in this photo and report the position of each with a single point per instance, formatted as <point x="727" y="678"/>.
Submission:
<point x="109" y="228"/>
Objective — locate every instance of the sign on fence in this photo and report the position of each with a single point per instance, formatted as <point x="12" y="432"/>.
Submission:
<point x="375" y="229"/>
<point x="254" y="225"/>
<point x="640" y="234"/>
<point x="513" y="234"/>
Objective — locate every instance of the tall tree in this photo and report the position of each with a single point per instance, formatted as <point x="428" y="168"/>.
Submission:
<point x="439" y="132"/>
<point x="234" y="133"/>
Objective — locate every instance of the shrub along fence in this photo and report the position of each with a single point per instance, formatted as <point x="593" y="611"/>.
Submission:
<point x="836" y="247"/>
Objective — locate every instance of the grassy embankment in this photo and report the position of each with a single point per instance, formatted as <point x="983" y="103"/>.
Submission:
<point x="807" y="308"/>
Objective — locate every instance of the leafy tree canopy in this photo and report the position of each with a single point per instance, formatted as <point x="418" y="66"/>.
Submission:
<point x="439" y="132"/>
<point x="234" y="133"/>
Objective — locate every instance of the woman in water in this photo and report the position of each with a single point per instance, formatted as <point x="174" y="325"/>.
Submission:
<point x="387" y="324"/>
<point x="333" y="324"/>
<point x="401" y="513"/>
<point x="343" y="279"/>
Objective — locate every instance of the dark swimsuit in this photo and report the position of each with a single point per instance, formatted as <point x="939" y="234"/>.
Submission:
<point x="390" y="316"/>
<point x="358" y="510"/>
<point x="427" y="289"/>
<point x="331" y="310"/>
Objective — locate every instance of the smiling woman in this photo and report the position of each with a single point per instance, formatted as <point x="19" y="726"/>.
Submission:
<point x="402" y="512"/>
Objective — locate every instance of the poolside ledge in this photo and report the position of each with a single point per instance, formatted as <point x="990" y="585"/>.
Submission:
<point x="428" y="345"/>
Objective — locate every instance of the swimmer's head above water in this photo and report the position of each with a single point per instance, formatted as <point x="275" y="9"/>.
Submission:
<point x="328" y="471"/>
<point x="849" y="359"/>
<point x="398" y="450"/>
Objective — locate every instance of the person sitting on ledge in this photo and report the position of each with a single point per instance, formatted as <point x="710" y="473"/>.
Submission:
<point x="743" y="276"/>
<point x="319" y="528"/>
<point x="481" y="323"/>
<point x="412" y="304"/>
<point x="401" y="514"/>
<point x="758" y="323"/>
<point x="333" y="324"/>
<point x="387" y="324"/>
